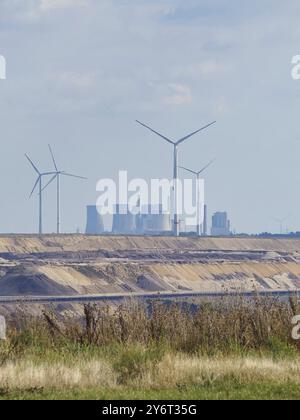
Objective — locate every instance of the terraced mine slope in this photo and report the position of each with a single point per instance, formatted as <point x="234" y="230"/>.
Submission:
<point x="75" y="264"/>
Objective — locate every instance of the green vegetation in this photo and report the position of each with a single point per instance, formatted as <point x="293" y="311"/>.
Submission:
<point x="230" y="349"/>
<point x="219" y="391"/>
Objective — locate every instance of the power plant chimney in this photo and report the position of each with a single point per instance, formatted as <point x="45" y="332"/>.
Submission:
<point x="205" y="222"/>
<point x="94" y="225"/>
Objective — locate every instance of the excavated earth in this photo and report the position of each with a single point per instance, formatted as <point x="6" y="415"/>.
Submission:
<point x="76" y="264"/>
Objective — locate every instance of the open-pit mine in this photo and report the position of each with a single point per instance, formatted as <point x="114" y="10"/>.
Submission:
<point x="76" y="265"/>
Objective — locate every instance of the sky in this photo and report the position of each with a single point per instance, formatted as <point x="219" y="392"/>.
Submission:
<point x="80" y="72"/>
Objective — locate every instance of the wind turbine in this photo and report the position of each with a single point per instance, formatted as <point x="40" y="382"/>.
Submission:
<point x="198" y="192"/>
<point x="39" y="182"/>
<point x="175" y="145"/>
<point x="57" y="175"/>
<point x="281" y="222"/>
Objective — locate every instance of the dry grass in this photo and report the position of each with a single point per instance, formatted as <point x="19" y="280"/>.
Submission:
<point x="172" y="372"/>
<point x="175" y="370"/>
<point x="224" y="326"/>
<point x="28" y="374"/>
<point x="157" y="347"/>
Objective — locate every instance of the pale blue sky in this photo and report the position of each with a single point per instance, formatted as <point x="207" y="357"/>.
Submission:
<point x="79" y="72"/>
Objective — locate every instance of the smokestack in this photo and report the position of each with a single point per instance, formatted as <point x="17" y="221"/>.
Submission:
<point x="94" y="225"/>
<point x="205" y="227"/>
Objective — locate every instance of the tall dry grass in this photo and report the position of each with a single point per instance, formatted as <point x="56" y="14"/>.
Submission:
<point x="153" y="346"/>
<point x="179" y="370"/>
<point x="30" y="374"/>
<point x="172" y="371"/>
<point x="224" y="326"/>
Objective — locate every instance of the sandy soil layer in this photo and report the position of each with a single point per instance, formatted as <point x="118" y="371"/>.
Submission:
<point x="50" y="243"/>
<point x="76" y="264"/>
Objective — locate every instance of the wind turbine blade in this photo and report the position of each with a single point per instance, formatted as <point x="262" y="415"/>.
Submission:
<point x="35" y="185"/>
<point x="188" y="170"/>
<point x="155" y="132"/>
<point x="195" y="132"/>
<point x="48" y="173"/>
<point x="33" y="165"/>
<point x="73" y="176"/>
<point x="207" y="166"/>
<point x="53" y="159"/>
<point x="280" y="220"/>
<point x="51" y="180"/>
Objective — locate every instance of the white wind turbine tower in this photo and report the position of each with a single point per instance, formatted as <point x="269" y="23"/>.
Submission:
<point x="198" y="192"/>
<point x="57" y="175"/>
<point x="175" y="145"/>
<point x="39" y="182"/>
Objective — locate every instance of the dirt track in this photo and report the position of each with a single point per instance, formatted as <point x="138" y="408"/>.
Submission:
<point x="23" y="244"/>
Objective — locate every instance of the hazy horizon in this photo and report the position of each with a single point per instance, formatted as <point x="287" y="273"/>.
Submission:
<point x="80" y="72"/>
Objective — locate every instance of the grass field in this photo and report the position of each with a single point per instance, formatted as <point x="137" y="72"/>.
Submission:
<point x="195" y="378"/>
<point x="225" y="350"/>
<point x="221" y="391"/>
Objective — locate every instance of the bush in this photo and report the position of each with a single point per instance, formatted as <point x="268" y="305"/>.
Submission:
<point x="135" y="360"/>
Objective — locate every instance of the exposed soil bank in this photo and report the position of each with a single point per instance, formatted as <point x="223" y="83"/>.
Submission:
<point x="71" y="243"/>
<point x="77" y="264"/>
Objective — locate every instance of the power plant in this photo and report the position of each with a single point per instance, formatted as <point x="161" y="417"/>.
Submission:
<point x="152" y="220"/>
<point x="124" y="222"/>
<point x="95" y="224"/>
<point x="220" y="224"/>
<point x="148" y="220"/>
<point x="205" y="222"/>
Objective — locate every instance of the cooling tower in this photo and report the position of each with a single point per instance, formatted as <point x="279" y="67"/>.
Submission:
<point x="157" y="224"/>
<point x="124" y="222"/>
<point x="153" y="221"/>
<point x="140" y="224"/>
<point x="94" y="225"/>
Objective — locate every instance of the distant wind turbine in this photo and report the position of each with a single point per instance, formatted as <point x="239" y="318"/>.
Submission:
<point x="39" y="182"/>
<point x="281" y="222"/>
<point x="198" y="192"/>
<point x="57" y="175"/>
<point x="175" y="145"/>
